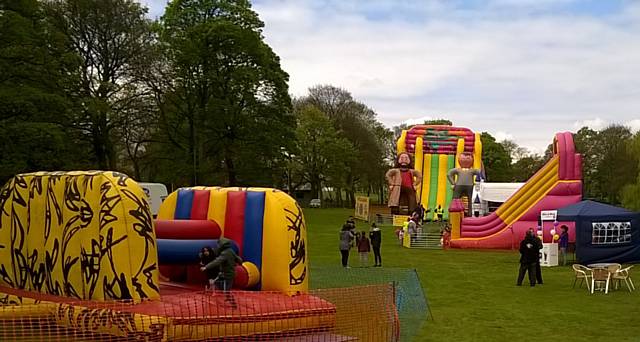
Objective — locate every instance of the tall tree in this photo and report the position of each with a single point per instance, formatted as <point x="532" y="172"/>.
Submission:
<point x="36" y="68"/>
<point x="496" y="159"/>
<point x="631" y="192"/>
<point x="112" y="38"/>
<point x="357" y="123"/>
<point x="227" y="101"/>
<point x="515" y="151"/>
<point x="608" y="165"/>
<point x="321" y="151"/>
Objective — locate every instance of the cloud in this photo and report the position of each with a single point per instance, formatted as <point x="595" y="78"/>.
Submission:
<point x="501" y="136"/>
<point x="634" y="125"/>
<point x="595" y="124"/>
<point x="531" y="68"/>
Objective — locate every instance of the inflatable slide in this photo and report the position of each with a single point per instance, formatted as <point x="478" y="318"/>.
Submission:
<point x="557" y="184"/>
<point x="435" y="150"/>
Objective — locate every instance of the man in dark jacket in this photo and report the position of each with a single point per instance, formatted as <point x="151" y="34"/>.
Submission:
<point x="376" y="240"/>
<point x="528" y="258"/>
<point x="226" y="260"/>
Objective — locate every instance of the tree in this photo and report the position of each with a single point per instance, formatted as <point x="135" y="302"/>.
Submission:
<point x="526" y="167"/>
<point x="112" y="38"/>
<point x="608" y="163"/>
<point x="631" y="192"/>
<point x="496" y="159"/>
<point x="321" y="152"/>
<point x="516" y="152"/>
<point x="227" y="100"/>
<point x="357" y="123"/>
<point x="586" y="143"/>
<point x="36" y="68"/>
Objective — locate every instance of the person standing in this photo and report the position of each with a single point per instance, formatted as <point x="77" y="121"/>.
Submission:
<point x="376" y="240"/>
<point x="439" y="213"/>
<point x="538" y="268"/>
<point x="413" y="227"/>
<point x="207" y="255"/>
<point x="364" y="247"/>
<point x="564" y="243"/>
<point x="528" y="258"/>
<point x="226" y="260"/>
<point x="346" y="239"/>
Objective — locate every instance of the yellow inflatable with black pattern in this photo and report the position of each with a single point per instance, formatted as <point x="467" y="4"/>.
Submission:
<point x="84" y="234"/>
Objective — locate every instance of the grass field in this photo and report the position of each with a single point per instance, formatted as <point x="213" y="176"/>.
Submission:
<point x="473" y="297"/>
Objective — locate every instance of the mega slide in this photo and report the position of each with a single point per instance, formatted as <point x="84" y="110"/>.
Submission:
<point x="558" y="183"/>
<point x="435" y="150"/>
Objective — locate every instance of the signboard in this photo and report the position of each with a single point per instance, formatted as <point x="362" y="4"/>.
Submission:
<point x="399" y="220"/>
<point x="548" y="215"/>
<point x="549" y="254"/>
<point x="362" y="208"/>
<point x="156" y="193"/>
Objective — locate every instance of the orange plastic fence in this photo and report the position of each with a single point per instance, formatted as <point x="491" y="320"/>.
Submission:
<point x="364" y="313"/>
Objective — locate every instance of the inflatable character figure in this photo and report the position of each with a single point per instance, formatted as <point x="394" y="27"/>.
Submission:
<point x="403" y="181"/>
<point x="463" y="184"/>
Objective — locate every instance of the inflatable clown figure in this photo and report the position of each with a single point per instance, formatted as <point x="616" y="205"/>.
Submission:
<point x="461" y="178"/>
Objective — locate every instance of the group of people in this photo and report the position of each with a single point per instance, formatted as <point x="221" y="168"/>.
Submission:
<point x="349" y="238"/>
<point x="530" y="248"/>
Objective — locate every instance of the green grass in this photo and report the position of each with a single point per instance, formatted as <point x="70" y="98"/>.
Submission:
<point x="473" y="297"/>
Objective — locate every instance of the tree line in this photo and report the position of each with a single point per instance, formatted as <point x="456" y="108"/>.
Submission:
<point x="195" y="97"/>
<point x="198" y="97"/>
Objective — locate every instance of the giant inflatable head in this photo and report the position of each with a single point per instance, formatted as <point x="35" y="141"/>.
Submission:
<point x="403" y="161"/>
<point x="466" y="160"/>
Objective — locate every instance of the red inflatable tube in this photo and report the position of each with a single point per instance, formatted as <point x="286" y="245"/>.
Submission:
<point x="187" y="229"/>
<point x="476" y="221"/>
<point x="485" y="233"/>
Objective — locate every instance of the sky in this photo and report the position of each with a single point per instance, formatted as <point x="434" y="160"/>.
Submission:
<point x="518" y="69"/>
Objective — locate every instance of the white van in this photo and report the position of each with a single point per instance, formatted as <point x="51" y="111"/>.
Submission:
<point x="156" y="193"/>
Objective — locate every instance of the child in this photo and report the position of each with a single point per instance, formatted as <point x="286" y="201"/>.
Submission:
<point x="446" y="236"/>
<point x="207" y="255"/>
<point x="363" y="249"/>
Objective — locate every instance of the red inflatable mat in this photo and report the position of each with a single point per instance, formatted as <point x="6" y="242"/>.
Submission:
<point x="187" y="229"/>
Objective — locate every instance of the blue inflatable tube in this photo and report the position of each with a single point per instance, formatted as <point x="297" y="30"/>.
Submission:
<point x="171" y="251"/>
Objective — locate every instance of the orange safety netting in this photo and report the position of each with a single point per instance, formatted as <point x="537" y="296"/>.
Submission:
<point x="365" y="313"/>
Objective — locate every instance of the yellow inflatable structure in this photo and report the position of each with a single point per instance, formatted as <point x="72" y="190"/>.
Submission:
<point x="84" y="235"/>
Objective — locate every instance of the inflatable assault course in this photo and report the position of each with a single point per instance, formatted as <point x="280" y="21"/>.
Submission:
<point x="557" y="184"/>
<point x="435" y="150"/>
<point x="80" y="251"/>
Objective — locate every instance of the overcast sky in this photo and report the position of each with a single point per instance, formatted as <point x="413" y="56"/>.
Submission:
<point x="518" y="69"/>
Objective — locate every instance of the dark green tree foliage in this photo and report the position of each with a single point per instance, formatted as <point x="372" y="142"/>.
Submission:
<point x="321" y="151"/>
<point x="631" y="192"/>
<point x="356" y="123"/>
<point x="526" y="167"/>
<point x="36" y="68"/>
<point x="112" y="38"/>
<point x="496" y="159"/>
<point x="225" y="110"/>
<point x="608" y="163"/>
